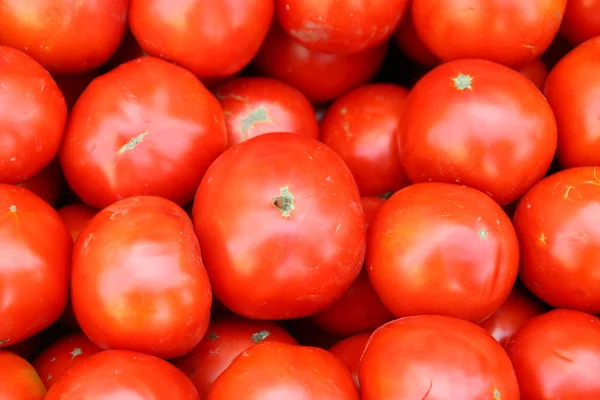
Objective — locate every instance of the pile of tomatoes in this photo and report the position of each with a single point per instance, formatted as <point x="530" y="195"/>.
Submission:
<point x="299" y="199"/>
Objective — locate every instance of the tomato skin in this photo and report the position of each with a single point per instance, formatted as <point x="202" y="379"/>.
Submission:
<point x="254" y="106"/>
<point x="556" y="355"/>
<point x="463" y="131"/>
<point x="537" y="72"/>
<point x="371" y="205"/>
<point x="284" y="371"/>
<point x="76" y="216"/>
<point x="19" y="379"/>
<point x="291" y="240"/>
<point x="46" y="183"/>
<point x="361" y="126"/>
<point x="408" y="40"/>
<point x="581" y="21"/>
<point x="349" y="351"/>
<point x="170" y="128"/>
<point x="135" y="287"/>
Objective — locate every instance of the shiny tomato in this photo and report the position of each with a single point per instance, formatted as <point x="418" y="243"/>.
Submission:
<point x="581" y="21"/>
<point x="361" y="126"/>
<point x="557" y="355"/>
<point x="138" y="282"/>
<point x="76" y="217"/>
<point x="408" y="40"/>
<point x="280" y="225"/>
<point x="448" y="249"/>
<point x="66" y="37"/>
<point x="72" y="86"/>
<point x="284" y="371"/>
<point x="46" y="183"/>
<point x="536" y="71"/>
<point x="146" y="128"/>
<point x="19" y="379"/>
<point x="510" y="32"/>
<point x="321" y="77"/>
<point x="480" y="124"/>
<point x="349" y="351"/>
<point x="253" y="106"/>
<point x="370" y="207"/>
<point x="117" y="374"/>
<point x="225" y="340"/>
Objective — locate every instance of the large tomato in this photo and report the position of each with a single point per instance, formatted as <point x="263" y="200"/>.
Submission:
<point x="408" y="40"/>
<point x="350" y="351"/>
<point x="280" y="225"/>
<point x="76" y="216"/>
<point x="510" y="32"/>
<point x="435" y="357"/>
<point x="480" y="124"/>
<point x="581" y="21"/>
<point x="18" y="379"/>
<point x="138" y="282"/>
<point x="46" y="183"/>
<point x="147" y="127"/>
<point x="536" y="71"/>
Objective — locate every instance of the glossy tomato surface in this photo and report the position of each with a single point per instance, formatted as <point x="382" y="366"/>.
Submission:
<point x="18" y="379"/>
<point x="46" y="183"/>
<point x="409" y="41"/>
<point x="138" y="282"/>
<point x="581" y="21"/>
<point x="76" y="216"/>
<point x="536" y="71"/>
<point x="349" y="351"/>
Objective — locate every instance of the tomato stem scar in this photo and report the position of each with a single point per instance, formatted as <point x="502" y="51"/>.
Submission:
<point x="260" y="336"/>
<point x="284" y="202"/>
<point x="462" y="82"/>
<point x="133" y="142"/>
<point x="12" y="208"/>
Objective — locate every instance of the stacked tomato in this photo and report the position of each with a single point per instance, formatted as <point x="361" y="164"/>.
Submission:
<point x="299" y="199"/>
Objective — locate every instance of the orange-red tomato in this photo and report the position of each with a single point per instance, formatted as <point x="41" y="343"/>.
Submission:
<point x="408" y="40"/>
<point x="371" y="205"/>
<point x="349" y="351"/>
<point x="18" y="379"/>
<point x="581" y="21"/>
<point x="46" y="183"/>
<point x="536" y="71"/>
<point x="76" y="217"/>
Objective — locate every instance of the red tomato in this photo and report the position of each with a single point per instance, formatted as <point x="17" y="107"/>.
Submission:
<point x="480" y="124"/>
<point x="558" y="228"/>
<point x="46" y="183"/>
<point x="254" y="106"/>
<point x="349" y="351"/>
<point x="72" y="86"/>
<point x="117" y="374"/>
<point x="557" y="355"/>
<point x="62" y="354"/>
<point x="321" y="77"/>
<point x="76" y="217"/>
<point x="34" y="269"/>
<point x="284" y="371"/>
<point x="225" y="340"/>
<point x="536" y="72"/>
<point x="340" y="27"/>
<point x="510" y="32"/>
<point x="138" y="282"/>
<point x="33" y="124"/>
<point x="211" y="38"/>
<point x="280" y="225"/>
<point x="19" y="379"/>
<point x="370" y="207"/>
<point x="361" y="126"/>
<point x="408" y="40"/>
<point x="581" y="21"/>
<point x="66" y="37"/>
<point x="146" y="128"/>
<point x="448" y="249"/>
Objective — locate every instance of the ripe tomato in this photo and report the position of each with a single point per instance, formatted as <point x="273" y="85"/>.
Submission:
<point x="280" y="225"/>
<point x="449" y="249"/>
<point x="211" y="38"/>
<point x="510" y="32"/>
<point x="480" y="124"/>
<point x="408" y="40"/>
<point x="556" y="356"/>
<point x="34" y="269"/>
<point x="340" y="27"/>
<point x="225" y="340"/>
<point x="321" y="77"/>
<point x="361" y="126"/>
<point x="253" y="106"/>
<point x="370" y="207"/>
<point x="284" y="371"/>
<point x="46" y="183"/>
<point x="435" y="357"/>
<point x="136" y="287"/>
<point x="349" y="351"/>
<point x="19" y="379"/>
<point x="581" y="21"/>
<point x="146" y="128"/>
<point x="117" y="374"/>
<point x="76" y="217"/>
<point x="536" y="71"/>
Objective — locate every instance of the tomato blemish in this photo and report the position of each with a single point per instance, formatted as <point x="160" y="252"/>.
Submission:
<point x="462" y="82"/>
<point x="12" y="208"/>
<point x="4" y="341"/>
<point x="496" y="394"/>
<point x="284" y="202"/>
<point x="213" y="336"/>
<point x="76" y="352"/>
<point x="133" y="142"/>
<point x="257" y="116"/>
<point x="482" y="233"/>
<point x="260" y="336"/>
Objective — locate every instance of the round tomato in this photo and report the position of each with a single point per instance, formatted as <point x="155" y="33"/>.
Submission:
<point x="557" y="355"/>
<point x="280" y="225"/>
<point x="19" y="379"/>
<point x="284" y="371"/>
<point x="537" y="72"/>
<point x="253" y="106"/>
<point x="448" y="249"/>
<point x="361" y="126"/>
<point x="435" y="357"/>
<point x="408" y="40"/>
<point x="76" y="217"/>
<point x="510" y="32"/>
<point x="146" y="128"/>
<point x="480" y="124"/>
<point x="581" y="21"/>
<point x="349" y="351"/>
<point x="137" y="279"/>
<point x="46" y="183"/>
<point x="371" y="205"/>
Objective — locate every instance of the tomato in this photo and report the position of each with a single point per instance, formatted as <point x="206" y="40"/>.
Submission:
<point x="449" y="249"/>
<point x="61" y="355"/>
<point x="536" y="71"/>
<point x="117" y="374"/>
<point x="349" y="351"/>
<point x="72" y="86"/>
<point x="32" y="127"/>
<point x="321" y="77"/>
<point x="19" y="379"/>
<point x="280" y="225"/>
<point x="66" y="37"/>
<point x="556" y="356"/>
<point x="46" y="183"/>
<point x="76" y="216"/>
<point x="370" y="207"/>
<point x="136" y="287"/>
<point x="211" y="38"/>
<point x="408" y="40"/>
<point x="225" y="340"/>
<point x="519" y="307"/>
<point x="146" y="128"/>
<point x="340" y="27"/>
<point x="510" y="32"/>
<point x="581" y="21"/>
<point x="284" y="371"/>
<point x="435" y="357"/>
<point x="480" y="124"/>
<point x="253" y="106"/>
